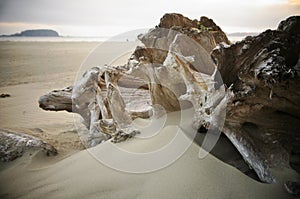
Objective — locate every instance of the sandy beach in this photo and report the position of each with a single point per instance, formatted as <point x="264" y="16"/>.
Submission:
<point x="30" y="70"/>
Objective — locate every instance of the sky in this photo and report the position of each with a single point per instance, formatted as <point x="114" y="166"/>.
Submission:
<point x="111" y="17"/>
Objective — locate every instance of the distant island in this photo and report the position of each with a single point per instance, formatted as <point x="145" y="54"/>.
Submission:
<point x="35" y="33"/>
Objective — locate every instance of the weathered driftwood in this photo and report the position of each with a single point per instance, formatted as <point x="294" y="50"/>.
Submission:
<point x="14" y="145"/>
<point x="57" y="100"/>
<point x="263" y="117"/>
<point x="261" y="75"/>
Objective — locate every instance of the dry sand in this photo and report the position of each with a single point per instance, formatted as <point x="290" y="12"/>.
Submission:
<point x="31" y="69"/>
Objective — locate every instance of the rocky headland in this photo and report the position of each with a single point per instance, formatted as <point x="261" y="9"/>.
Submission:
<point x="34" y="33"/>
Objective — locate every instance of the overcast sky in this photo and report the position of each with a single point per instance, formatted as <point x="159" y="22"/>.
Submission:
<point x="110" y="17"/>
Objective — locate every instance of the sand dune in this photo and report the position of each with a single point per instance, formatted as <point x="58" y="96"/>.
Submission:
<point x="81" y="176"/>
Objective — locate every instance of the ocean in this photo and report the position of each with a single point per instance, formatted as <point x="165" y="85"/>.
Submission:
<point x="83" y="39"/>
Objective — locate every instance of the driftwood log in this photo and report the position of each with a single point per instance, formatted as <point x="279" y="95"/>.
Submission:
<point x="13" y="145"/>
<point x="185" y="60"/>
